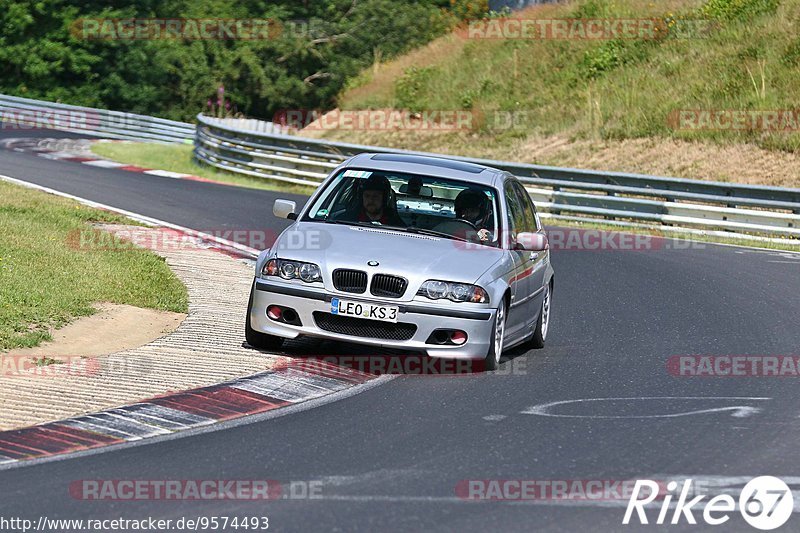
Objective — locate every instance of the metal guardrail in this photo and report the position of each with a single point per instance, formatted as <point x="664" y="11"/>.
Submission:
<point x="264" y="150"/>
<point x="609" y="197"/>
<point x="24" y="113"/>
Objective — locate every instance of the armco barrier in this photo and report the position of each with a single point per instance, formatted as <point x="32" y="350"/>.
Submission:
<point x="625" y="199"/>
<point x="24" y="113"/>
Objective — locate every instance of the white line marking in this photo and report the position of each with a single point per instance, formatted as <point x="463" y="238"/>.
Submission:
<point x="57" y="155"/>
<point x="104" y="163"/>
<point x="166" y="174"/>
<point x="739" y="411"/>
<point x="150" y="221"/>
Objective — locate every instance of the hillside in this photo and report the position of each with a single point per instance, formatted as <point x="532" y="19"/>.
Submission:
<point x="677" y="104"/>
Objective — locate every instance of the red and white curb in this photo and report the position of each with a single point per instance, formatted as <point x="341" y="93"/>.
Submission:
<point x="295" y="382"/>
<point x="78" y="151"/>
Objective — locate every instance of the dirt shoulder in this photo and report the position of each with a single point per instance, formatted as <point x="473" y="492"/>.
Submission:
<point x="113" y="328"/>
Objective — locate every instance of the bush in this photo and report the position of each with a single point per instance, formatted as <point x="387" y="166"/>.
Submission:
<point x="411" y="87"/>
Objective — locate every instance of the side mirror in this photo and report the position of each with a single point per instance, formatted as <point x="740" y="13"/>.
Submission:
<point x="284" y="209"/>
<point x="532" y="242"/>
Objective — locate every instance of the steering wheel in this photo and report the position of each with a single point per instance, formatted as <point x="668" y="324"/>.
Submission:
<point x="459" y="227"/>
<point x="465" y="221"/>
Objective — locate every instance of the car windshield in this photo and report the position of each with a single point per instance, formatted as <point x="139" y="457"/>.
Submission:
<point x="410" y="202"/>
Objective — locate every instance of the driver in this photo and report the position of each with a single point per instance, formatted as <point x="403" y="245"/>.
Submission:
<point x="375" y="204"/>
<point x="473" y="206"/>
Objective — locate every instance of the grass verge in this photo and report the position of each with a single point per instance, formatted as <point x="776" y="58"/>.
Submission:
<point x="178" y="158"/>
<point x="45" y="282"/>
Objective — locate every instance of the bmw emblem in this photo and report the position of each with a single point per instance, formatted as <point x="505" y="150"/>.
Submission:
<point x="373" y="263"/>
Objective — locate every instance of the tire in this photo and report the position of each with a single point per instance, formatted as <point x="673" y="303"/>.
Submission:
<point x="492" y="360"/>
<point x="256" y="339"/>
<point x="543" y="324"/>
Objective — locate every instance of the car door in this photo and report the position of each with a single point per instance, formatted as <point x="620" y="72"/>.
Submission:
<point x="519" y="315"/>
<point x="535" y="261"/>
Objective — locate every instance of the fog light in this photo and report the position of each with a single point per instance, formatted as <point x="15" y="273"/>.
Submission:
<point x="458" y="337"/>
<point x="440" y="336"/>
<point x="274" y="312"/>
<point x="289" y="315"/>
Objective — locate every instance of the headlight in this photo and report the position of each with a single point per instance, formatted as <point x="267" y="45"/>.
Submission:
<point x="457" y="292"/>
<point x="287" y="269"/>
<point x="436" y="289"/>
<point x="310" y="272"/>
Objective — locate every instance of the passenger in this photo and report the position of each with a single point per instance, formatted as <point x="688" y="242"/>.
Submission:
<point x="473" y="206"/>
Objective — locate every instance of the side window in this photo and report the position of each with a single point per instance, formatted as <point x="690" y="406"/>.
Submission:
<point x="516" y="213"/>
<point x="527" y="206"/>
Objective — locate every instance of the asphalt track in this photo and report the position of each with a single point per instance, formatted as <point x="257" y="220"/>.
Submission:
<point x="391" y="457"/>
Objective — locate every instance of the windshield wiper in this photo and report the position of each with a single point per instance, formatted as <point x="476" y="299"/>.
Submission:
<point x="347" y="222"/>
<point x="433" y="233"/>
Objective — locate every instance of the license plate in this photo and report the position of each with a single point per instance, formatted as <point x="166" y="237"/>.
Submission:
<point x="386" y="313"/>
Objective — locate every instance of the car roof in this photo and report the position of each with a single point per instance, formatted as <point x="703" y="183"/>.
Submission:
<point x="428" y="166"/>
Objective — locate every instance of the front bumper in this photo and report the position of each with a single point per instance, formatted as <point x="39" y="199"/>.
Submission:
<point x="476" y="322"/>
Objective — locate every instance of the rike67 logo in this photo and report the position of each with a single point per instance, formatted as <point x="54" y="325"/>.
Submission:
<point x="765" y="503"/>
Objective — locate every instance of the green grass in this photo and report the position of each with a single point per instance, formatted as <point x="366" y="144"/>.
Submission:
<point x="607" y="89"/>
<point x="178" y="158"/>
<point x="45" y="282"/>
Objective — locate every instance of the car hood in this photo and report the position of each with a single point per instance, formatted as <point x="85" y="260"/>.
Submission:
<point x="412" y="256"/>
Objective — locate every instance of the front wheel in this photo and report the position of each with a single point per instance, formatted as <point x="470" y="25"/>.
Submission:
<point x="540" y="332"/>
<point x="256" y="339"/>
<point x="492" y="360"/>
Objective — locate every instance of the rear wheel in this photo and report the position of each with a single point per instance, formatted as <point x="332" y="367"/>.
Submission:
<point x="256" y="339"/>
<point x="492" y="360"/>
<point x="542" y="325"/>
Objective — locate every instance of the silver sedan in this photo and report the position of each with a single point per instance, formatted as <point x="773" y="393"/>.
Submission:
<point x="404" y="251"/>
